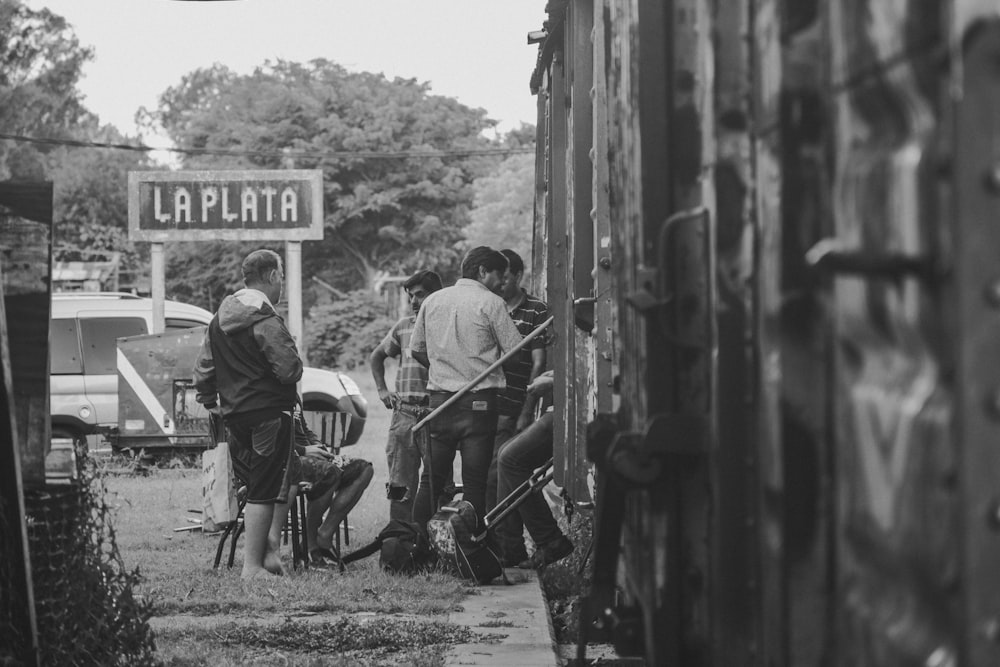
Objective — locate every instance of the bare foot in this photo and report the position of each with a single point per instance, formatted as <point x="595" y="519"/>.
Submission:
<point x="324" y="539"/>
<point x="251" y="573"/>
<point x="272" y="563"/>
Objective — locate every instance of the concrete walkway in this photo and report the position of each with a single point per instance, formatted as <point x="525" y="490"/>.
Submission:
<point x="515" y="615"/>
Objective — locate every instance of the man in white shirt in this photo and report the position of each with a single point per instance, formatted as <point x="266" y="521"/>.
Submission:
<point x="459" y="332"/>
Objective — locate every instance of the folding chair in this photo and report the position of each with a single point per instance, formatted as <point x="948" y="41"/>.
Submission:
<point x="294" y="526"/>
<point x="324" y="424"/>
<point x="294" y="523"/>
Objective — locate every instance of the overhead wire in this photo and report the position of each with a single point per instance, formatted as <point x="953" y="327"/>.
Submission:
<point x="317" y="155"/>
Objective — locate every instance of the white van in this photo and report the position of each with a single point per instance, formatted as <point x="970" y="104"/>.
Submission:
<point x="84" y="376"/>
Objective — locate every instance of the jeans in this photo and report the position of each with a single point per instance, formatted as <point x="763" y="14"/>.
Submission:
<point x="506" y="428"/>
<point x="467" y="427"/>
<point x="519" y="457"/>
<point x="403" y="457"/>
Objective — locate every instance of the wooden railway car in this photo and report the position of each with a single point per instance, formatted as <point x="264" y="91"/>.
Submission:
<point x="769" y="233"/>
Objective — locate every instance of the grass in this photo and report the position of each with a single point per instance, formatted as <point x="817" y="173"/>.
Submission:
<point x="178" y="579"/>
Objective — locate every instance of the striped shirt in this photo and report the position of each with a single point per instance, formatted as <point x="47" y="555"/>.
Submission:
<point x="527" y="316"/>
<point x="411" y="378"/>
<point x="463" y="329"/>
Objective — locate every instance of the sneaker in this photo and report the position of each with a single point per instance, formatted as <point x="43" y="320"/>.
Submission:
<point x="548" y="553"/>
<point x="514" y="560"/>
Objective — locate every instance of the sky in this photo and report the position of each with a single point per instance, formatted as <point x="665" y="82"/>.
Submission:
<point x="473" y="50"/>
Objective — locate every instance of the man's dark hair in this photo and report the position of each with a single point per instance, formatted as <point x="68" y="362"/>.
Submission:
<point x="258" y="265"/>
<point x="429" y="280"/>
<point x="486" y="257"/>
<point x="516" y="263"/>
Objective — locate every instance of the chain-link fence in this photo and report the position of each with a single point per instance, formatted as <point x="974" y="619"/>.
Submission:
<point x="85" y="601"/>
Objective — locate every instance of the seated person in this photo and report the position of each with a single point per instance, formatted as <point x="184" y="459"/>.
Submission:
<point x="333" y="486"/>
<point x="517" y="459"/>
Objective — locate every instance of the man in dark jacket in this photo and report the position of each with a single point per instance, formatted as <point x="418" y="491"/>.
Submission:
<point x="248" y="367"/>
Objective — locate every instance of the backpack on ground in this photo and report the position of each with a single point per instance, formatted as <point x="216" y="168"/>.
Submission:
<point x="402" y="548"/>
<point x="462" y="544"/>
<point x="453" y="533"/>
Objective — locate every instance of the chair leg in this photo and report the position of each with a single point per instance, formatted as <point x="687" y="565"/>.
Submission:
<point x="303" y="519"/>
<point x="293" y="520"/>
<point x="232" y="531"/>
<point x="232" y="547"/>
<point x="222" y="543"/>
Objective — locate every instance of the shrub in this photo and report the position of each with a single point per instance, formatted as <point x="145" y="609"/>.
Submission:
<point x="342" y="334"/>
<point x="87" y="609"/>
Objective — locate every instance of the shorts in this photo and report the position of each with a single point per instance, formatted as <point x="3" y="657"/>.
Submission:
<point x="262" y="451"/>
<point x="323" y="474"/>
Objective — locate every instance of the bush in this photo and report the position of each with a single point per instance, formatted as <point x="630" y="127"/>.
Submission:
<point x="342" y="334"/>
<point x="87" y="609"/>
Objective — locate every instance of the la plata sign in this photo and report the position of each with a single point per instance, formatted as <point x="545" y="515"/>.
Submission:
<point x="264" y="205"/>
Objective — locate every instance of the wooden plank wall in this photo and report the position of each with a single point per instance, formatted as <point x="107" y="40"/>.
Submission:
<point x="975" y="299"/>
<point x="26" y="259"/>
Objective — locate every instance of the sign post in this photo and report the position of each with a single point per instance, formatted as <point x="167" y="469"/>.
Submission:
<point x="157" y="285"/>
<point x="263" y="205"/>
<point x="293" y="269"/>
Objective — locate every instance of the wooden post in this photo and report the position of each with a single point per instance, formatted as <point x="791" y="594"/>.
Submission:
<point x="21" y="595"/>
<point x="158" y="285"/>
<point x="293" y="276"/>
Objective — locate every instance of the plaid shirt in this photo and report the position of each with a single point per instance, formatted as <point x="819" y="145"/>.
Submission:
<point x="527" y="316"/>
<point x="411" y="378"/>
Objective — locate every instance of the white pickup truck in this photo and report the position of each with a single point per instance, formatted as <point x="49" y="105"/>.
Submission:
<point x="110" y="377"/>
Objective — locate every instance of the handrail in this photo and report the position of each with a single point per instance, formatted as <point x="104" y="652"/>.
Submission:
<point x="482" y="376"/>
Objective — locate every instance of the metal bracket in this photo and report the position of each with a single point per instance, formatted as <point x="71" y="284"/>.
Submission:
<point x="637" y="458"/>
<point x="829" y="256"/>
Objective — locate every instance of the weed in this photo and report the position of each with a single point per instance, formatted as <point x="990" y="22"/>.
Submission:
<point x="567" y="580"/>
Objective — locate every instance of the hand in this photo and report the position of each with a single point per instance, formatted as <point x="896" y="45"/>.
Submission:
<point x="389" y="398"/>
<point x="318" y="452"/>
<point x="541" y="384"/>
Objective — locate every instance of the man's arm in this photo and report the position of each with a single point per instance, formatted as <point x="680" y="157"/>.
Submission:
<point x="528" y="409"/>
<point x="418" y="341"/>
<point x="504" y="329"/>
<point x="541" y="384"/>
<point x="376" y="362"/>
<point x="278" y="347"/>
<point x="204" y="375"/>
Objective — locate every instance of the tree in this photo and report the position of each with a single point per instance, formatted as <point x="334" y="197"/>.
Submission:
<point x="503" y="207"/>
<point x="91" y="199"/>
<point x="203" y="273"/>
<point x="393" y="215"/>
<point x="40" y="65"/>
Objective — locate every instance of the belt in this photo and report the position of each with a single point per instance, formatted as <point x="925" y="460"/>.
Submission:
<point x="412" y="409"/>
<point x="482" y="392"/>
